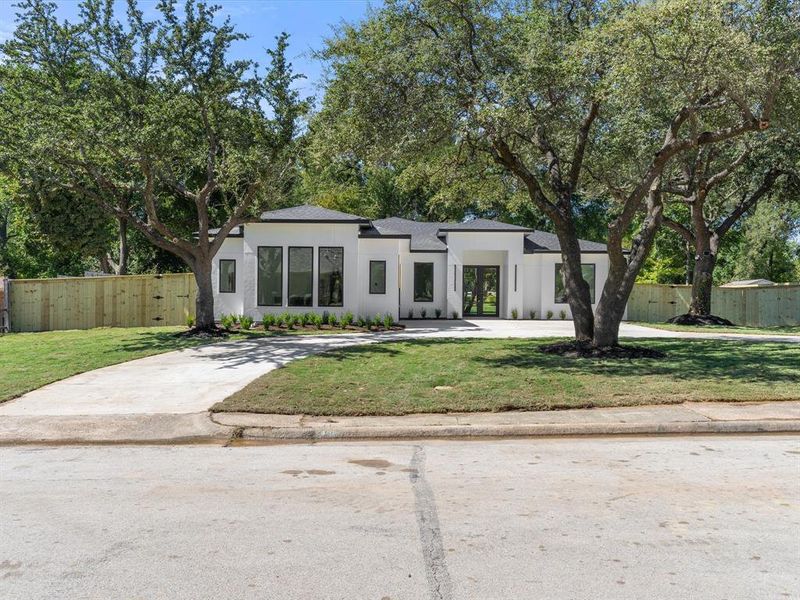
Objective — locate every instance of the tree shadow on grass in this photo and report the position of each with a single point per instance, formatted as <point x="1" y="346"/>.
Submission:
<point x="741" y="361"/>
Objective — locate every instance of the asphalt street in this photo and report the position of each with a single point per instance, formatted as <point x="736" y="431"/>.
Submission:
<point x="707" y="517"/>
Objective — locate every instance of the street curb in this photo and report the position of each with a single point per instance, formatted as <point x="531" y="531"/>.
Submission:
<point x="529" y="430"/>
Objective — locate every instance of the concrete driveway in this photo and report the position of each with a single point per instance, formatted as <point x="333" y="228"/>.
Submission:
<point x="192" y="380"/>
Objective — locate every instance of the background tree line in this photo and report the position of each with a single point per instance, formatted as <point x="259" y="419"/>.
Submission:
<point x="667" y="129"/>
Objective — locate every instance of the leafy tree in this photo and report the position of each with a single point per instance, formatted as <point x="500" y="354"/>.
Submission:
<point x="151" y="121"/>
<point x="571" y="99"/>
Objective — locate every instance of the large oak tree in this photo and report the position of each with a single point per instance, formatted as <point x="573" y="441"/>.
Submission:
<point x="150" y="120"/>
<point x="573" y="98"/>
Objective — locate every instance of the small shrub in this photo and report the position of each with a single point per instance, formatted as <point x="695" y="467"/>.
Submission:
<point x="284" y="320"/>
<point x="514" y="313"/>
<point x="410" y="313"/>
<point x="235" y="319"/>
<point x="325" y="317"/>
<point x="332" y="320"/>
<point x="532" y="314"/>
<point x="549" y="314"/>
<point x="423" y="312"/>
<point x="347" y="319"/>
<point x="455" y="314"/>
<point x="388" y="321"/>
<point x="190" y="321"/>
<point x="227" y="321"/>
<point x="245" y="321"/>
<point x="300" y="320"/>
<point x="362" y="322"/>
<point x="562" y="314"/>
<point x="315" y="320"/>
<point x="268" y="321"/>
<point x="438" y="313"/>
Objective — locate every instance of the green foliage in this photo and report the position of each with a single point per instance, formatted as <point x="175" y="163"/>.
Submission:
<point x="423" y="312"/>
<point x="410" y="313"/>
<point x="532" y="314"/>
<point x="388" y="321"/>
<point x="347" y="319"/>
<point x="189" y="321"/>
<point x="455" y="314"/>
<point x="227" y="321"/>
<point x="562" y="314"/>
<point x="549" y="314"/>
<point x="268" y="320"/>
<point x="315" y="320"/>
<point x="333" y="321"/>
<point x="284" y="320"/>
<point x="438" y="312"/>
<point x="362" y="322"/>
<point x="246" y="322"/>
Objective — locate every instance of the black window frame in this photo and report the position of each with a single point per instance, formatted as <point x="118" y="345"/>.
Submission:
<point x="289" y="275"/>
<point x="258" y="279"/>
<point x="227" y="260"/>
<point x="592" y="285"/>
<point x="319" y="275"/>
<point x="369" y="282"/>
<point x="417" y="298"/>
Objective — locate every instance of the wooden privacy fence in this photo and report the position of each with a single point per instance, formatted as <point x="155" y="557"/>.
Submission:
<point x="756" y="306"/>
<point x="113" y="301"/>
<point x="3" y="306"/>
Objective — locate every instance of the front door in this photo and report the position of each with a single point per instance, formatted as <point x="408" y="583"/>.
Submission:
<point x="481" y="298"/>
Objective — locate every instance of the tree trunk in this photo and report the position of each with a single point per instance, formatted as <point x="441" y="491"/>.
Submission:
<point x="578" y="293"/>
<point x="122" y="268"/>
<point x="702" y="280"/>
<point x="703" y="273"/>
<point x="204" y="319"/>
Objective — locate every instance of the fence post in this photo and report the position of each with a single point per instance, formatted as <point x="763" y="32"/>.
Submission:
<point x="5" y="312"/>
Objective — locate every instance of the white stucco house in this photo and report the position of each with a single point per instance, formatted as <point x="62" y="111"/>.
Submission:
<point x="311" y="259"/>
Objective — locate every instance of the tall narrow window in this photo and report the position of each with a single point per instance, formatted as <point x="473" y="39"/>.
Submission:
<point x="331" y="277"/>
<point x="377" y="277"/>
<point x="270" y="276"/>
<point x="423" y="282"/>
<point x="515" y="278"/>
<point x="301" y="276"/>
<point x="227" y="276"/>
<point x="587" y="270"/>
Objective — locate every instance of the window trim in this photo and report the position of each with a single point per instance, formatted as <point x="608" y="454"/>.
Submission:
<point x="319" y="274"/>
<point x="258" y="279"/>
<point x="433" y="281"/>
<point x="289" y="274"/>
<point x="227" y="260"/>
<point x="592" y="287"/>
<point x="369" y="278"/>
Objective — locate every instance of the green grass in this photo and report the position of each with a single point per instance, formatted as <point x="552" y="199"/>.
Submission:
<point x="787" y="330"/>
<point x="492" y="375"/>
<point x="31" y="360"/>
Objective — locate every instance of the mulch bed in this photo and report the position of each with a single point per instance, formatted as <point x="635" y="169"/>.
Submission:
<point x="700" y="320"/>
<point x="575" y="349"/>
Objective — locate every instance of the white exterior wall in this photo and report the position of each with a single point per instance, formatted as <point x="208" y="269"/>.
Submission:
<point x="229" y="303"/>
<point x="540" y="286"/>
<point x="501" y="249"/>
<point x="379" y="249"/>
<point x="407" y="260"/>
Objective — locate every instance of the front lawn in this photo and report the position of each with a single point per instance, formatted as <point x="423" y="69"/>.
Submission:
<point x="492" y="375"/>
<point x="784" y="330"/>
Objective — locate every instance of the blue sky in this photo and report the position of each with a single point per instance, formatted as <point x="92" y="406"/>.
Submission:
<point x="308" y="22"/>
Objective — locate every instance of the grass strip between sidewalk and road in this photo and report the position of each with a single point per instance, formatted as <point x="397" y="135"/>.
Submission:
<point x="465" y="375"/>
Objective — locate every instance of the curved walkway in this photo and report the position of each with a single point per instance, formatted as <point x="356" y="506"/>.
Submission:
<point x="191" y="380"/>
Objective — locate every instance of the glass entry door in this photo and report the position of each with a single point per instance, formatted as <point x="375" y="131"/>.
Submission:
<point x="481" y="285"/>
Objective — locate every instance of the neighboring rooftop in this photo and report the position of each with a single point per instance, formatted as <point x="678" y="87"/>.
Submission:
<point x="748" y="283"/>
<point x="310" y="214"/>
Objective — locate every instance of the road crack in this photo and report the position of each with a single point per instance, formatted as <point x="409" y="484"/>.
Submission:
<point x="430" y="535"/>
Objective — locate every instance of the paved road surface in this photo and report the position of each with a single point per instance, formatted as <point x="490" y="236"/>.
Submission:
<point x="192" y="380"/>
<point x="692" y="517"/>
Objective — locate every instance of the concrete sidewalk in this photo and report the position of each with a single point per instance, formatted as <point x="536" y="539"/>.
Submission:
<point x="687" y="418"/>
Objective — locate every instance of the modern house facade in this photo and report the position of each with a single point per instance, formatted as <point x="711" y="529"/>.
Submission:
<point x="312" y="259"/>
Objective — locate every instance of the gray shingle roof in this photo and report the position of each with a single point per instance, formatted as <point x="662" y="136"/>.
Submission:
<point x="310" y="214"/>
<point x="482" y="225"/>
<point x="544" y="241"/>
<point x="424" y="236"/>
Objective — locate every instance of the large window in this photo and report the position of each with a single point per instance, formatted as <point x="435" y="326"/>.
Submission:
<point x="331" y="276"/>
<point x="227" y="276"/>
<point x="270" y="276"/>
<point x="301" y="276"/>
<point x="588" y="276"/>
<point x="423" y="282"/>
<point x="377" y="277"/>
